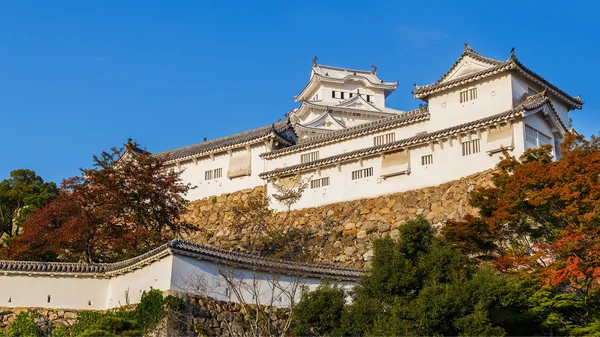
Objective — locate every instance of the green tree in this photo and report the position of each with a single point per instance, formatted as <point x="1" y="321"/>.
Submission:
<point x="20" y="195"/>
<point x="420" y="285"/>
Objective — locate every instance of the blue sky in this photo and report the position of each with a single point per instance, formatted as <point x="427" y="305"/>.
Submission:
<point x="78" y="77"/>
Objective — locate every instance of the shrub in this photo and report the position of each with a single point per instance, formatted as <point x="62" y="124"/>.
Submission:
<point x="24" y="326"/>
<point x="319" y="312"/>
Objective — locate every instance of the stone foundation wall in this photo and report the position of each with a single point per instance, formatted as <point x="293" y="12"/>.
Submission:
<point x="204" y="316"/>
<point x="46" y="319"/>
<point x="340" y="233"/>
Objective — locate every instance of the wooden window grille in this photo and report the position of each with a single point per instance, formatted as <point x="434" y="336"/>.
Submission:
<point x="362" y="173"/>
<point x="333" y="94"/>
<point x="535" y="137"/>
<point x="321" y="182"/>
<point x="342" y="95"/>
<point x="468" y="95"/>
<point x="427" y="159"/>
<point x="308" y="157"/>
<point x="470" y="147"/>
<point x="208" y="175"/>
<point x="217" y="173"/>
<point x="384" y="139"/>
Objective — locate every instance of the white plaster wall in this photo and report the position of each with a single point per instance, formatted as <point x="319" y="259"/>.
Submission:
<point x="521" y="87"/>
<point x="128" y="288"/>
<point x="194" y="174"/>
<point x="449" y="164"/>
<point x="377" y="95"/>
<point x="494" y="95"/>
<point x="201" y="277"/>
<point x="345" y="145"/>
<point x="65" y="292"/>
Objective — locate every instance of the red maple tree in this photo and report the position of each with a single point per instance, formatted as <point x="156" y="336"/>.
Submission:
<point x="541" y="216"/>
<point x="128" y="203"/>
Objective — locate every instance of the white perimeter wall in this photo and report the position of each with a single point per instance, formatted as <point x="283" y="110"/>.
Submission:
<point x="172" y="272"/>
<point x="65" y="292"/>
<point x="128" y="288"/>
<point x="201" y="277"/>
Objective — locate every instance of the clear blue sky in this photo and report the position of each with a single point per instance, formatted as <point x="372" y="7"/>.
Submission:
<point x="78" y="77"/>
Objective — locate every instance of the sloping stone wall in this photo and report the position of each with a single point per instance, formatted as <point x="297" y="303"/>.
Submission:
<point x="340" y="233"/>
<point x="46" y="319"/>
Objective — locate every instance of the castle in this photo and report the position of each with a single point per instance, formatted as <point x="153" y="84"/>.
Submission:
<point x="346" y="144"/>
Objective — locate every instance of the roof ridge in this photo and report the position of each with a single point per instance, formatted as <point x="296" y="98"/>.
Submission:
<point x="346" y="69"/>
<point x="213" y="143"/>
<point x="468" y="51"/>
<point x="242" y="259"/>
<point x="317" y="140"/>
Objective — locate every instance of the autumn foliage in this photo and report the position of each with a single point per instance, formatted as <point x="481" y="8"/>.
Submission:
<point x="126" y="204"/>
<point x="541" y="219"/>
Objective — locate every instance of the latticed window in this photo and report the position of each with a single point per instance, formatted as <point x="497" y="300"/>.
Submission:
<point x="384" y="139"/>
<point x="321" y="182"/>
<point x="217" y="173"/>
<point x="362" y="173"/>
<point x="468" y="95"/>
<point x="470" y="147"/>
<point x="427" y="160"/>
<point x="535" y="137"/>
<point x="308" y="157"/>
<point x="208" y="175"/>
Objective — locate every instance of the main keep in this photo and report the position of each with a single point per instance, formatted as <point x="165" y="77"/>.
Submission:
<point x="346" y="144"/>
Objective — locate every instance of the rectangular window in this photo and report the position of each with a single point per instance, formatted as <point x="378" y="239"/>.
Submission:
<point x="217" y="173"/>
<point x="363" y="173"/>
<point x="468" y="95"/>
<point x="332" y="94"/>
<point x="342" y="95"/>
<point x="470" y="147"/>
<point x="427" y="160"/>
<point x="536" y="138"/>
<point x="208" y="175"/>
<point x="311" y="156"/>
<point x="351" y="95"/>
<point x="384" y="139"/>
<point x="369" y="98"/>
<point x="319" y="182"/>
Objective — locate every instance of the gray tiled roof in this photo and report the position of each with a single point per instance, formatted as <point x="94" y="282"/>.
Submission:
<point x="498" y="66"/>
<point x="225" y="142"/>
<point x="468" y="51"/>
<point x="252" y="261"/>
<point x="409" y="117"/>
<point x="530" y="103"/>
<point x="221" y="256"/>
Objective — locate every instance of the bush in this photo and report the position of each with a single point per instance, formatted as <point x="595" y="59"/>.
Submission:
<point x="319" y="312"/>
<point x="24" y="326"/>
<point x="152" y="308"/>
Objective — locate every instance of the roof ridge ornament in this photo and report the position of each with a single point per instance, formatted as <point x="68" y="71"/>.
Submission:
<point x="374" y="71"/>
<point x="468" y="48"/>
<point x="512" y="54"/>
<point x="314" y="61"/>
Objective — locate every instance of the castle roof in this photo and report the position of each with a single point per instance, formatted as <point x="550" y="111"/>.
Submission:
<point x="323" y="73"/>
<point x="487" y="67"/>
<point x="220" y="144"/>
<point x="405" y="118"/>
<point x="530" y="103"/>
<point x="185" y="248"/>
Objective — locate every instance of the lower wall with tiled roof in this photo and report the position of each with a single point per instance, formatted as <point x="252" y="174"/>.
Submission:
<point x="340" y="233"/>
